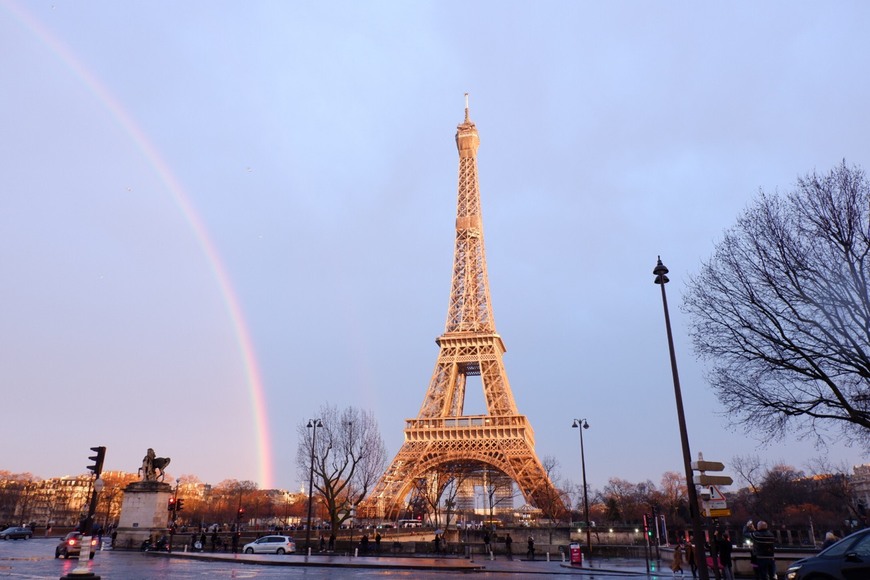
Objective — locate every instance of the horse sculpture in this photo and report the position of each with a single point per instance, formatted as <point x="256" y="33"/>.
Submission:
<point x="151" y="464"/>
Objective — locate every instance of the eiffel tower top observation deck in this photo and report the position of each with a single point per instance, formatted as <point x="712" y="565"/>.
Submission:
<point x="442" y="436"/>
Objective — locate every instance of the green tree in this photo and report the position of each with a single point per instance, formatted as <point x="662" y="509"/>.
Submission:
<point x="782" y="310"/>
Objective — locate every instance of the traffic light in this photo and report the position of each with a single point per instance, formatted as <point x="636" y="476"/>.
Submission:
<point x="97" y="467"/>
<point x="179" y="505"/>
<point x="171" y="504"/>
<point x="647" y="524"/>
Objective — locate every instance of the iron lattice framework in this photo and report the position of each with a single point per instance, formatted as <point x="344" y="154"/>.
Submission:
<point x="441" y="434"/>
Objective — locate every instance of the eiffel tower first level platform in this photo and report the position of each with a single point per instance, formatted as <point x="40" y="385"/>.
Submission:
<point x="442" y="442"/>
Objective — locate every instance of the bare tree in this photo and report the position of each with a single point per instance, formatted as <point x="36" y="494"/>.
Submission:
<point x="439" y="488"/>
<point x="349" y="457"/>
<point x="555" y="498"/>
<point x="783" y="311"/>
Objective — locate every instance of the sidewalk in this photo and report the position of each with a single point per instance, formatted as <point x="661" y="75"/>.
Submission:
<point x="615" y="567"/>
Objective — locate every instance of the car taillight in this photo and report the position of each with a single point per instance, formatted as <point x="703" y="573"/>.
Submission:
<point x="72" y="542"/>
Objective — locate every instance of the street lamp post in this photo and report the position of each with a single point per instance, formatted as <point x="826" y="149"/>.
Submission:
<point x="174" y="515"/>
<point x="583" y="424"/>
<point x="313" y="424"/>
<point x="661" y="279"/>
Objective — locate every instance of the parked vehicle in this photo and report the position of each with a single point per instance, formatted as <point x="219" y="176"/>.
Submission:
<point x="271" y="545"/>
<point x="71" y="546"/>
<point x="16" y="533"/>
<point x="848" y="559"/>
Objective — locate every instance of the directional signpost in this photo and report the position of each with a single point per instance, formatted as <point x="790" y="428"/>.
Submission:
<point x="715" y="506"/>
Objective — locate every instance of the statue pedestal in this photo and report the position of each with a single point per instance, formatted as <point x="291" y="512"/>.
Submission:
<point x="144" y="514"/>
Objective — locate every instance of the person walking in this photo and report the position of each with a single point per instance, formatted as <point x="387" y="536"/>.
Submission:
<point x="331" y="544"/>
<point x="486" y="540"/>
<point x="364" y="544"/>
<point x="378" y="542"/>
<point x="690" y="557"/>
<point x="508" y="546"/>
<point x="677" y="563"/>
<point x="830" y="539"/>
<point x="763" y="542"/>
<point x="723" y="546"/>
<point x="437" y="544"/>
<point x="530" y="552"/>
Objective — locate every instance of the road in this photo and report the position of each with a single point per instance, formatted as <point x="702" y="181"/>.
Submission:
<point x="34" y="559"/>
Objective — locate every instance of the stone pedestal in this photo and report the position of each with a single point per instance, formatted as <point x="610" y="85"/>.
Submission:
<point x="143" y="513"/>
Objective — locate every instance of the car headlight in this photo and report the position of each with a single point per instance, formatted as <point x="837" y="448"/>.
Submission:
<point x="792" y="572"/>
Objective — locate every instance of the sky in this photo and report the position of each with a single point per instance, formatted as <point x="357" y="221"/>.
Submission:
<point x="216" y="217"/>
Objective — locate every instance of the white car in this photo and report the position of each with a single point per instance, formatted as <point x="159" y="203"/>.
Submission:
<point x="271" y="545"/>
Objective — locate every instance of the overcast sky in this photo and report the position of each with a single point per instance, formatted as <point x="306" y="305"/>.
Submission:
<point x="215" y="217"/>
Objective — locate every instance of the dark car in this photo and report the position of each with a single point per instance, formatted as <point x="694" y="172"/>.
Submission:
<point x="71" y="546"/>
<point x="848" y="559"/>
<point x="16" y="533"/>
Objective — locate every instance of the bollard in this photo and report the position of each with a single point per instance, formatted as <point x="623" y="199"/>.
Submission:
<point x="355" y="552"/>
<point x="563" y="557"/>
<point x="185" y="548"/>
<point x="548" y="555"/>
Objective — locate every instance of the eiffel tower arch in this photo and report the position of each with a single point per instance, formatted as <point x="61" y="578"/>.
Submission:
<point x="502" y="440"/>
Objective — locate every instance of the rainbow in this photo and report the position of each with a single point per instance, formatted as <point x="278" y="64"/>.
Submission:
<point x="126" y="121"/>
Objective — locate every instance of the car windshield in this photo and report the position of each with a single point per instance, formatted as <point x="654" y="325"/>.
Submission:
<point x="846" y="545"/>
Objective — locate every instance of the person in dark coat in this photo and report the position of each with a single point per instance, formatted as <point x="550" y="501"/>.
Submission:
<point x="508" y="547"/>
<point x="723" y="546"/>
<point x="530" y="553"/>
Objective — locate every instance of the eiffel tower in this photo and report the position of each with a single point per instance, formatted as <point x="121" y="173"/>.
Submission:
<point x="501" y="441"/>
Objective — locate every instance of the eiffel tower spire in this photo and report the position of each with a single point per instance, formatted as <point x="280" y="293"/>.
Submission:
<point x="470" y="308"/>
<point x="502" y="440"/>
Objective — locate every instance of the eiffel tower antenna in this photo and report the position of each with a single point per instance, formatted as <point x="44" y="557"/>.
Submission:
<point x="500" y="442"/>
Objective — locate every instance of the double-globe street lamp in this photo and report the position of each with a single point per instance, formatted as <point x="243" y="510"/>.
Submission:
<point x="313" y="424"/>
<point x="583" y="424"/>
<point x="660" y="272"/>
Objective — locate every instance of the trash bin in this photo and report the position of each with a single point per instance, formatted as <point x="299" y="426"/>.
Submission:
<point x="576" y="554"/>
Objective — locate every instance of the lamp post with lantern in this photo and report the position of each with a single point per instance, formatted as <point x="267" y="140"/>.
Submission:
<point x="661" y="279"/>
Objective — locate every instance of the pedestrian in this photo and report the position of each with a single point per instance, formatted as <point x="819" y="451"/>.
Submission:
<point x="235" y="541"/>
<point x="486" y="540"/>
<point x="437" y="544"/>
<point x="530" y="553"/>
<point x="763" y="542"/>
<point x="690" y="557"/>
<point x="332" y="542"/>
<point x="508" y="546"/>
<point x="748" y="530"/>
<point x="677" y="563"/>
<point x="214" y="539"/>
<point x="830" y="538"/>
<point x="378" y="542"/>
<point x="364" y="544"/>
<point x="723" y="546"/>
